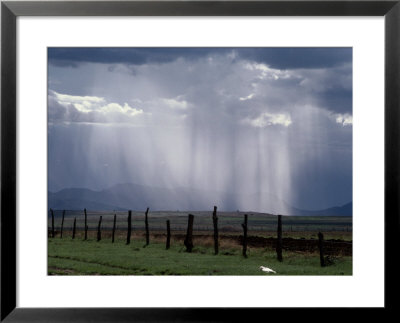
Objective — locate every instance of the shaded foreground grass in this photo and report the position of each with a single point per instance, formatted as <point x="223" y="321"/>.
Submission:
<point x="77" y="257"/>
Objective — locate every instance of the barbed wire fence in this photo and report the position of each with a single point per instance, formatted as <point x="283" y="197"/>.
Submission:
<point x="98" y="224"/>
<point x="178" y="222"/>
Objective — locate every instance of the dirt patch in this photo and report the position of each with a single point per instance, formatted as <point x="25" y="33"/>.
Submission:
<point x="332" y="247"/>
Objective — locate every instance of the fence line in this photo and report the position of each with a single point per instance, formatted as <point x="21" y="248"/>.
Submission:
<point x="128" y="222"/>
<point x="204" y="222"/>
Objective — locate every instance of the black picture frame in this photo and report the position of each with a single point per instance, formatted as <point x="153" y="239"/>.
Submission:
<point x="10" y="10"/>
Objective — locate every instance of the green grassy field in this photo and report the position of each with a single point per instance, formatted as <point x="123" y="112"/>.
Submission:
<point x="78" y="257"/>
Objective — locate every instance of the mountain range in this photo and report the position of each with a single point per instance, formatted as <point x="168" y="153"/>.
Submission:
<point x="138" y="197"/>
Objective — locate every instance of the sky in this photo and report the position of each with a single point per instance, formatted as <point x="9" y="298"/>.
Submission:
<point x="269" y="121"/>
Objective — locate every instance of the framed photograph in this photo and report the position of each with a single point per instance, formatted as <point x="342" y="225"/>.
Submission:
<point x="230" y="127"/>
<point x="161" y="159"/>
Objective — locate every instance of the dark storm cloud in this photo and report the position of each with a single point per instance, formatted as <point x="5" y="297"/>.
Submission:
<point x="337" y="100"/>
<point x="131" y="56"/>
<point x="237" y="120"/>
<point x="294" y="58"/>
<point x="281" y="58"/>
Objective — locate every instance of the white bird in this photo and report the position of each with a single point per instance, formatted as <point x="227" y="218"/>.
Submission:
<point x="267" y="270"/>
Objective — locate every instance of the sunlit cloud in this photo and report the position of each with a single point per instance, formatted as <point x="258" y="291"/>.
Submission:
<point x="66" y="99"/>
<point x="176" y="103"/>
<point x="249" y="97"/>
<point x="266" y="72"/>
<point x="344" y="119"/>
<point x="269" y="119"/>
<point x="71" y="108"/>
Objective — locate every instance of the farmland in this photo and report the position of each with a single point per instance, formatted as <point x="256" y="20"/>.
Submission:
<point x="77" y="256"/>
<point x="260" y="223"/>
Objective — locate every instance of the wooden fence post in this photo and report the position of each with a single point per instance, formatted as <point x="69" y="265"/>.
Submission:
<point x="215" y="222"/>
<point x="244" y="225"/>
<point x="279" y="239"/>
<point x="128" y="237"/>
<point x="74" y="229"/>
<point x="62" y="224"/>
<point x="146" y="222"/>
<point x="86" y="226"/>
<point x="99" y="229"/>
<point x="189" y="238"/>
<point x="52" y="223"/>
<point x="113" y="231"/>
<point x="168" y="235"/>
<point x="321" y="249"/>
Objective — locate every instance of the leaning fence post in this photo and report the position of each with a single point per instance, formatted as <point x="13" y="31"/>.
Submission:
<point x="62" y="224"/>
<point x="86" y="226"/>
<point x="188" y="240"/>
<point x="74" y="229"/>
<point x="244" y="226"/>
<point x="215" y="222"/>
<point x="146" y="222"/>
<point x="128" y="237"/>
<point x="321" y="249"/>
<point x="168" y="235"/>
<point x="113" y="231"/>
<point x="279" y="239"/>
<point x="52" y="223"/>
<point x="99" y="229"/>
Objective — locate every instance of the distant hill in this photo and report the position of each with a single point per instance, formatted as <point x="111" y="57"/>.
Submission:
<point x="344" y="210"/>
<point x="139" y="197"/>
